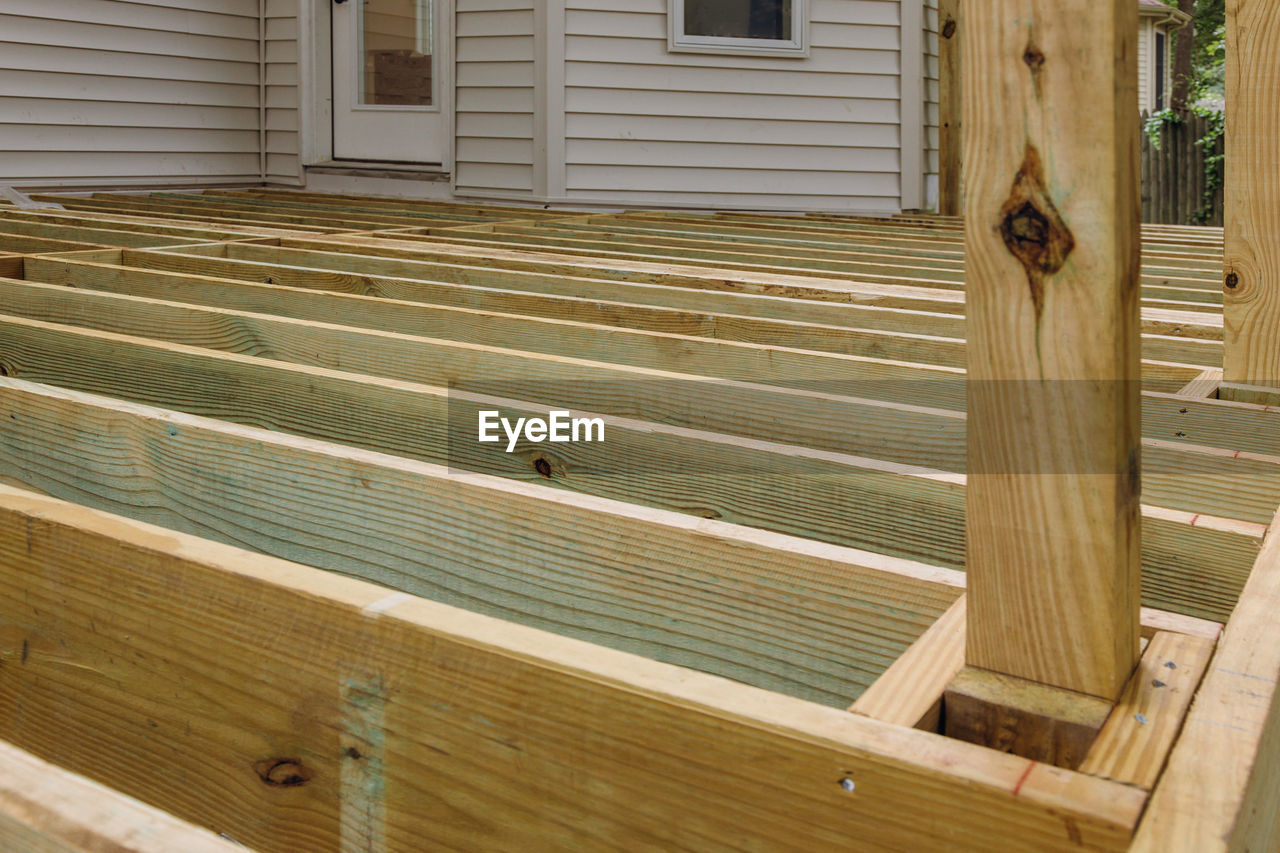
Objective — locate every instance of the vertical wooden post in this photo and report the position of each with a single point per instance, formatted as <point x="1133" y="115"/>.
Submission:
<point x="1052" y="245"/>
<point x="1251" y="282"/>
<point x="949" y="88"/>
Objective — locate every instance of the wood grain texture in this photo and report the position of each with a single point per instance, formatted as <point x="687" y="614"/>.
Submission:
<point x="45" y="809"/>
<point x="1032" y="720"/>
<point x="451" y="730"/>
<point x="1252" y="215"/>
<point x="1221" y="788"/>
<point x="1051" y="211"/>
<point x="1193" y="562"/>
<point x="613" y="573"/>
<point x="909" y="693"/>
<point x="950" y="84"/>
<point x="1134" y="744"/>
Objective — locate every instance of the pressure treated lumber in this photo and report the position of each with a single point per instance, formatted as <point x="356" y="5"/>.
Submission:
<point x="791" y="615"/>
<point x="1221" y="788"/>
<point x="1193" y="562"/>
<point x="170" y="655"/>
<point x="45" y="809"/>
<point x="1135" y="741"/>
<point x="1252" y="234"/>
<point x="1051" y="209"/>
<point x="1026" y="718"/>
<point x="909" y="693"/>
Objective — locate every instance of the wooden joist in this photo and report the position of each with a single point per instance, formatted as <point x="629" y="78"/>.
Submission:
<point x="146" y="647"/>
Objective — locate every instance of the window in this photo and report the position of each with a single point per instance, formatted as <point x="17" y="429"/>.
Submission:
<point x="778" y="27"/>
<point x="1161" y="60"/>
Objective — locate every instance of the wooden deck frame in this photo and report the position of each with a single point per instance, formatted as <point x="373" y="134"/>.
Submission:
<point x="343" y="751"/>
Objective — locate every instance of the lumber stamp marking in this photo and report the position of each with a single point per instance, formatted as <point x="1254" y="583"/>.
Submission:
<point x="1051" y="203"/>
<point x="1251" y="278"/>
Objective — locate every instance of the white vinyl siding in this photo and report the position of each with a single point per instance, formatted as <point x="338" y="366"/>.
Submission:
<point x="494" y="126"/>
<point x="1146" y="95"/>
<point x="932" y="95"/>
<point x="647" y="126"/>
<point x="108" y="92"/>
<point x="283" y="142"/>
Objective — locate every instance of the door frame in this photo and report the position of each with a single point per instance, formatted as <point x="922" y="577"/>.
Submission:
<point x="315" y="80"/>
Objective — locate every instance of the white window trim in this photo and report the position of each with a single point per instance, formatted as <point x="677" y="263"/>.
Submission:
<point x="797" y="47"/>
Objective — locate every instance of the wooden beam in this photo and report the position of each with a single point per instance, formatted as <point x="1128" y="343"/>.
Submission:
<point x="525" y="552"/>
<point x="950" y="136"/>
<point x="1252" y="260"/>
<point x="902" y="510"/>
<point x="910" y="692"/>
<point x="451" y="729"/>
<point x="45" y="809"/>
<point x="1221" y="788"/>
<point x="1051" y="207"/>
<point x="1134" y="744"/>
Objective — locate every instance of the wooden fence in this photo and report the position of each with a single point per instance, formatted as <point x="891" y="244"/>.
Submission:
<point x="1175" y="176"/>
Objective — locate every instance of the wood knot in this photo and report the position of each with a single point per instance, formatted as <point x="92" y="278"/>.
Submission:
<point x="1233" y="281"/>
<point x="283" y="772"/>
<point x="1033" y="57"/>
<point x="543" y="467"/>
<point x="949" y="28"/>
<point x="1033" y="230"/>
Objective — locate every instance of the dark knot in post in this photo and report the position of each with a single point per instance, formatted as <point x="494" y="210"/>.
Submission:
<point x="1033" y="230"/>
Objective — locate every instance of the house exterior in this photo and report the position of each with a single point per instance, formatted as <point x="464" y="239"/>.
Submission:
<point x="757" y="104"/>
<point x="792" y="104"/>
<point x="1157" y="22"/>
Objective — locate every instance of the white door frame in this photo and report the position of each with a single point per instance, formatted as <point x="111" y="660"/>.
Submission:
<point x="315" y="80"/>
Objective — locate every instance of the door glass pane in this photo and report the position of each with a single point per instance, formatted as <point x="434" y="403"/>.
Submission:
<point x="396" y="52"/>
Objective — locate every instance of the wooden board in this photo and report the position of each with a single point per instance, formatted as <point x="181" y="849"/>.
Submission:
<point x="451" y="729"/>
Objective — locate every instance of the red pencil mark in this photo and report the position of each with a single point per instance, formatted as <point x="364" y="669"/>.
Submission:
<point x="1031" y="765"/>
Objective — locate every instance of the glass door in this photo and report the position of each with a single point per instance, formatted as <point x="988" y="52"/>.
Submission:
<point x="386" y="81"/>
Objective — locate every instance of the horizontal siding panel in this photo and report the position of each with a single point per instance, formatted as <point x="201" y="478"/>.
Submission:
<point x="677" y="78"/>
<point x="758" y="181"/>
<point x="770" y="107"/>
<point x="468" y="6"/>
<point x="283" y="167"/>
<point x="282" y="29"/>
<point x="241" y="8"/>
<point x="485" y="74"/>
<point x="881" y="12"/>
<point x="501" y="23"/>
<point x="743" y="201"/>
<point x="282" y="51"/>
<point x="72" y="33"/>
<point x="34" y="137"/>
<point x="495" y="176"/>
<point x="281" y="8"/>
<point x="76" y="113"/>
<point x="654" y="26"/>
<point x="495" y="100"/>
<point x="86" y="165"/>
<point x="39" y="84"/>
<point x="478" y="149"/>
<point x="710" y="130"/>
<point x="137" y="16"/>
<point x="607" y="152"/>
<point x="283" y="120"/>
<point x="517" y="126"/>
<point x="628" y="51"/>
<point x="282" y="74"/>
<point x="495" y="49"/>
<point x="282" y="142"/>
<point x="107" y="63"/>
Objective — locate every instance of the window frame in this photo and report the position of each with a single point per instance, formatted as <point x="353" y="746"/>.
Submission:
<point x="797" y="47"/>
